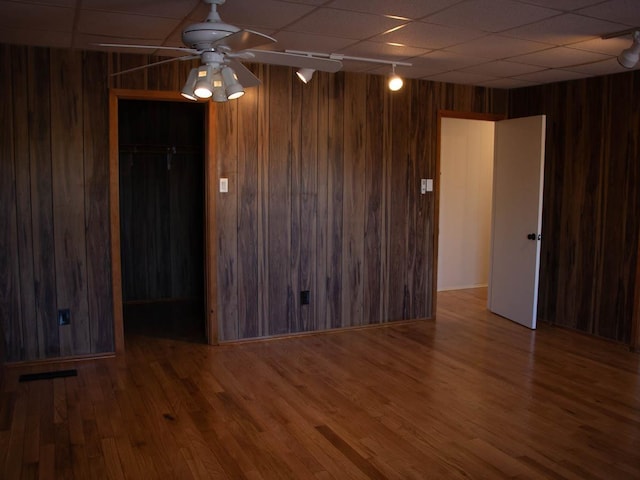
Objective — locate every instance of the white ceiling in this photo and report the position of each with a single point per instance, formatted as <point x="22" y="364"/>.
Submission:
<point x="494" y="43"/>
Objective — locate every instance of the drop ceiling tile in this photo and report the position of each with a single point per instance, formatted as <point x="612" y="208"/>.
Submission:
<point x="460" y="78"/>
<point x="502" y="69"/>
<point x="550" y="75"/>
<point x="497" y="47"/>
<point x="565" y="5"/>
<point x="611" y="46"/>
<point x="410" y="9"/>
<point x="565" y="29"/>
<point x="18" y="15"/>
<point x="439" y="62"/>
<point x="429" y="36"/>
<point x="507" y="83"/>
<point x="600" y="68"/>
<point x="626" y="12"/>
<point x="309" y="42"/>
<point x="344" y="24"/>
<point x="383" y="51"/>
<point x="264" y="13"/>
<point x="491" y="15"/>
<point x="559" y="57"/>
<point x="157" y="8"/>
<point x="118" y="25"/>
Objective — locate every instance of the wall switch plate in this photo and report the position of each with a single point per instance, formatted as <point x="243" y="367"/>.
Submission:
<point x="426" y="185"/>
<point x="224" y="185"/>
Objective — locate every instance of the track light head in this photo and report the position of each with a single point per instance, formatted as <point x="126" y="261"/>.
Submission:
<point x="630" y="56"/>
<point x="305" y="74"/>
<point x="395" y="82"/>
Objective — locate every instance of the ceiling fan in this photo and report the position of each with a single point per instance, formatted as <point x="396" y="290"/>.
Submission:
<point x="221" y="48"/>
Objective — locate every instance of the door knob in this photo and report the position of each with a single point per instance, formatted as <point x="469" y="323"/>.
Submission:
<point x="531" y="236"/>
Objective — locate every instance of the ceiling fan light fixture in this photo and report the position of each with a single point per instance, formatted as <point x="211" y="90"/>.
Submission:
<point x="630" y="56"/>
<point x="305" y="74"/>
<point x="219" y="94"/>
<point x="204" y="82"/>
<point x="395" y="81"/>
<point x="233" y="88"/>
<point x="189" y="85"/>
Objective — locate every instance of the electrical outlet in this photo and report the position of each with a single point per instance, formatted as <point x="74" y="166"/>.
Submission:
<point x="64" y="316"/>
<point x="304" y="297"/>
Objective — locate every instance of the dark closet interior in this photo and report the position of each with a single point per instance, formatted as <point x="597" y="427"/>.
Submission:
<point x="162" y="218"/>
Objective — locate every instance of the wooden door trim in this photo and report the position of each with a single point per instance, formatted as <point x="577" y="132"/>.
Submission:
<point x="490" y="117"/>
<point x="209" y="208"/>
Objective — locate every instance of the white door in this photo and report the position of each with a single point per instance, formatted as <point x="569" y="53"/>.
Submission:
<point x="518" y="175"/>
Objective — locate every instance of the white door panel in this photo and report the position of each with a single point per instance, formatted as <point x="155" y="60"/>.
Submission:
<point x="517" y="218"/>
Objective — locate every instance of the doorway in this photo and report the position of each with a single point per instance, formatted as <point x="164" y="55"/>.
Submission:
<point x="161" y="151"/>
<point x="516" y="215"/>
<point x="466" y="182"/>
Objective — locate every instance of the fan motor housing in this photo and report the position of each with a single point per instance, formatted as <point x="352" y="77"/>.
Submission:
<point x="200" y="35"/>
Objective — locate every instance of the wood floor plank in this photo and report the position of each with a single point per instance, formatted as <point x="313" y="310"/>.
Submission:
<point x="469" y="395"/>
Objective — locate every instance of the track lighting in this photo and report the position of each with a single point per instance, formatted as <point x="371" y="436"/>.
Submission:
<point x="233" y="88"/>
<point x="305" y="74"/>
<point x="204" y="82"/>
<point x="630" y="56"/>
<point x="395" y="82"/>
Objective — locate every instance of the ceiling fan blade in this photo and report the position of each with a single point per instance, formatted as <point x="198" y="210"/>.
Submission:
<point x="295" y="60"/>
<point x="243" y="40"/>
<point x="142" y="67"/>
<point x="245" y="76"/>
<point x="150" y="47"/>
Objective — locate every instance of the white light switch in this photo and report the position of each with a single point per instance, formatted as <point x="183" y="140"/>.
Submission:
<point x="224" y="185"/>
<point x="426" y="185"/>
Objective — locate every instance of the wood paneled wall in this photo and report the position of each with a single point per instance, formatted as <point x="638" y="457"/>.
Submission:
<point x="54" y="205"/>
<point x="591" y="213"/>
<point x="325" y="197"/>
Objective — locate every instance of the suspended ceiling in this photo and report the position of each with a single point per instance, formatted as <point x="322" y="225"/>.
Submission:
<point x="493" y="43"/>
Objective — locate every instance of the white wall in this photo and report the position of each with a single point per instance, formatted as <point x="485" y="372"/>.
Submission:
<point x="466" y="178"/>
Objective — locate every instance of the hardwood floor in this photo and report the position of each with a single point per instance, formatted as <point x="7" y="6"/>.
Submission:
<point x="470" y="395"/>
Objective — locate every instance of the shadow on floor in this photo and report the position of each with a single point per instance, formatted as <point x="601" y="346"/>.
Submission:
<point x="176" y="319"/>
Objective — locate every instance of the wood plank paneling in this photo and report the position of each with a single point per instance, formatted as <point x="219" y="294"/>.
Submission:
<point x="247" y="216"/>
<point x="96" y="171"/>
<point x="9" y="266"/>
<point x="375" y="181"/>
<point x="39" y="105"/>
<point x="398" y="207"/>
<point x="354" y="177"/>
<point x="335" y="191"/>
<point x="312" y="204"/>
<point x="279" y="285"/>
<point x="227" y="215"/>
<point x="308" y="277"/>
<point x="32" y="343"/>
<point x="67" y="162"/>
